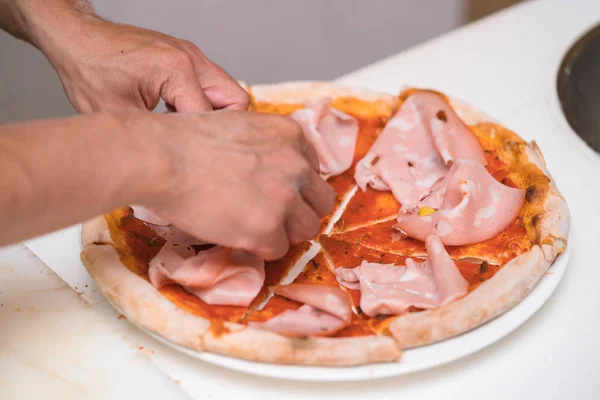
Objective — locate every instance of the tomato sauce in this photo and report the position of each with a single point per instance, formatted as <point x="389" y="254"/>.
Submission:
<point x="137" y="244"/>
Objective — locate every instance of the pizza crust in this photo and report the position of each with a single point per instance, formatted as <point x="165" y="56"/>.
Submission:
<point x="139" y="301"/>
<point x="301" y="92"/>
<point x="265" y="346"/>
<point x="145" y="306"/>
<point x="508" y="286"/>
<point x="554" y="226"/>
<point x="492" y="298"/>
<point x="96" y="231"/>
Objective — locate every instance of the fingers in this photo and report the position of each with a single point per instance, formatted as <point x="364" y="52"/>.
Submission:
<point x="310" y="153"/>
<point x="264" y="233"/>
<point x="198" y="85"/>
<point x="224" y="92"/>
<point x="272" y="238"/>
<point x="318" y="194"/>
<point x="220" y="88"/>
<point x="289" y="126"/>
<point x="273" y="247"/>
<point x="183" y="92"/>
<point x="302" y="222"/>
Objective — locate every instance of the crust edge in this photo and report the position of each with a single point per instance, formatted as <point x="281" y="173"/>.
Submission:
<point x="144" y="306"/>
<point x="508" y="287"/>
<point x="139" y="301"/>
<point x="261" y="345"/>
<point x="297" y="92"/>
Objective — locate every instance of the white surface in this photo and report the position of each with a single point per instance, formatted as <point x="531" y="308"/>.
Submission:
<point x="506" y="66"/>
<point x="53" y="345"/>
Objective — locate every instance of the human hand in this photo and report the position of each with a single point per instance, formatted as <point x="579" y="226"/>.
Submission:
<point x="241" y="180"/>
<point x="105" y="66"/>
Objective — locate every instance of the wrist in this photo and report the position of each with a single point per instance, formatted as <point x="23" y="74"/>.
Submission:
<point x="147" y="150"/>
<point x="55" y="28"/>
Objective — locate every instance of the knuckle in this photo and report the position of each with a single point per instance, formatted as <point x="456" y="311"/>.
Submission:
<point x="177" y="58"/>
<point x="300" y="164"/>
<point x="161" y="44"/>
<point x="294" y="161"/>
<point x="287" y="125"/>
<point x="287" y="195"/>
<point x="266" y="221"/>
<point x="304" y="167"/>
<point x="188" y="45"/>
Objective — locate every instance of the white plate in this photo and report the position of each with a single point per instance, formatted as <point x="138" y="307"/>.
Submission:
<point x="412" y="360"/>
<point x="52" y="248"/>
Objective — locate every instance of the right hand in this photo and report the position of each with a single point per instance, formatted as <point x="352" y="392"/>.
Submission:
<point x="242" y="180"/>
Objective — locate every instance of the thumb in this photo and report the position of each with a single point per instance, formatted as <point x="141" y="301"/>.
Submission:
<point x="183" y="92"/>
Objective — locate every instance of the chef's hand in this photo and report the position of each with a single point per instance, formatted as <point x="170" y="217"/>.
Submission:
<point x="235" y="178"/>
<point x="242" y="180"/>
<point x="108" y="66"/>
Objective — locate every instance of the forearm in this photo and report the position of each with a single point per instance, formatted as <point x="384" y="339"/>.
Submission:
<point x="44" y="23"/>
<point x="59" y="172"/>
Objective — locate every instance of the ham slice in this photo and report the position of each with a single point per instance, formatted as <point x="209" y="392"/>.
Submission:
<point x="146" y="215"/>
<point x="326" y="310"/>
<point x="305" y="321"/>
<point x="471" y="207"/>
<point x="332" y="134"/>
<point x="416" y="148"/>
<point x="218" y="276"/>
<point x="165" y="266"/>
<point x="164" y="228"/>
<point x="330" y="299"/>
<point x="389" y="289"/>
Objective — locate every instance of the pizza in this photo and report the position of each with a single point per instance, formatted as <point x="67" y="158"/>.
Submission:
<point x="444" y="220"/>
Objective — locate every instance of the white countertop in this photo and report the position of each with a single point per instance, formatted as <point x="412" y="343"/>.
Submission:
<point x="51" y="341"/>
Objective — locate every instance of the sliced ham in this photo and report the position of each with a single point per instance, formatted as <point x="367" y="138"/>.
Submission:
<point x="146" y="215"/>
<point x="389" y="289"/>
<point x="452" y="138"/>
<point x="471" y="207"/>
<point x="328" y="298"/>
<point x="332" y="133"/>
<point x="165" y="266"/>
<point x="326" y="310"/>
<point x="416" y="148"/>
<point x="218" y="276"/>
<point x="305" y="321"/>
<point x="451" y="285"/>
<point x="164" y="228"/>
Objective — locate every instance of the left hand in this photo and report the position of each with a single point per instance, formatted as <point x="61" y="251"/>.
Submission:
<point x="108" y="66"/>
